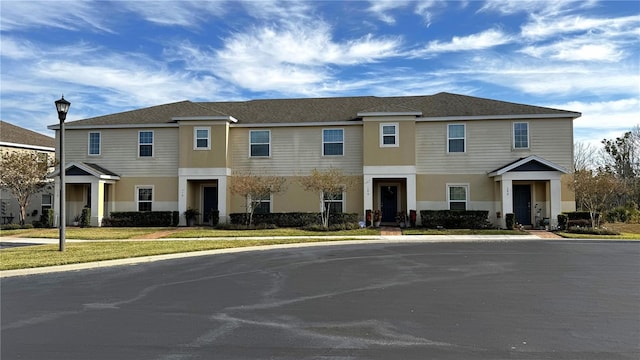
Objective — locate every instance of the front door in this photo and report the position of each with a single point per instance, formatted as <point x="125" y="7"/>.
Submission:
<point x="522" y="204"/>
<point x="209" y="202"/>
<point x="389" y="203"/>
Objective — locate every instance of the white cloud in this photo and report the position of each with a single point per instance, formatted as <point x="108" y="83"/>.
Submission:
<point x="542" y="27"/>
<point x="67" y="15"/>
<point x="480" y="41"/>
<point x="603" y="115"/>
<point x="577" y="49"/>
<point x="177" y="13"/>
<point x="381" y="9"/>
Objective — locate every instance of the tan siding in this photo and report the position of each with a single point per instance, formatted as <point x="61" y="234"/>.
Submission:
<point x="119" y="151"/>
<point x="489" y="145"/>
<point x="296" y="150"/>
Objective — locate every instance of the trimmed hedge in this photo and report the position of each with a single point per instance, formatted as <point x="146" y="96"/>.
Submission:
<point x="510" y="221"/>
<point x="293" y="219"/>
<point x="455" y="219"/>
<point x="139" y="219"/>
<point x="215" y="217"/>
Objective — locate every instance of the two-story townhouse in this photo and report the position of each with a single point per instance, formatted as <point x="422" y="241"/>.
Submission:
<point x="442" y="151"/>
<point x="16" y="138"/>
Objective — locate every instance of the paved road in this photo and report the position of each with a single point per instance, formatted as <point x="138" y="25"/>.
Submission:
<point x="489" y="300"/>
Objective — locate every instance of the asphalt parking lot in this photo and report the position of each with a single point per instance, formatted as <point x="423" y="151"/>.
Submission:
<point x="472" y="300"/>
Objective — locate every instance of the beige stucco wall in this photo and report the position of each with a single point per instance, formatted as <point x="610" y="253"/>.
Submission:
<point x="403" y="154"/>
<point x="215" y="157"/>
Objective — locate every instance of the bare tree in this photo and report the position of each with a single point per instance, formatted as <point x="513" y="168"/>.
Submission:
<point x="585" y="156"/>
<point x="329" y="184"/>
<point x="594" y="191"/>
<point x="24" y="173"/>
<point x="254" y="189"/>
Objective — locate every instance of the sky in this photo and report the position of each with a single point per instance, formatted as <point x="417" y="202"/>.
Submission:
<point x="113" y="56"/>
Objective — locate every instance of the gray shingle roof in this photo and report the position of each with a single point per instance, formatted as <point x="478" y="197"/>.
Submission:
<point x="307" y="110"/>
<point x="18" y="135"/>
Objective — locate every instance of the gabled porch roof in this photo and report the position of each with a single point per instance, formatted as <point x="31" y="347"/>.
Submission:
<point x="87" y="169"/>
<point x="530" y="163"/>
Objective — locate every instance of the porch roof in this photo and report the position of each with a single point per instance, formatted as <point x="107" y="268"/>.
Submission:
<point x="90" y="169"/>
<point x="530" y="163"/>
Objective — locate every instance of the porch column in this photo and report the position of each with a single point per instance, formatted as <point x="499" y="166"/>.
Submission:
<point x="222" y="199"/>
<point x="555" y="199"/>
<point x="506" y="189"/>
<point x="411" y="194"/>
<point x="97" y="202"/>
<point x="368" y="193"/>
<point x="182" y="199"/>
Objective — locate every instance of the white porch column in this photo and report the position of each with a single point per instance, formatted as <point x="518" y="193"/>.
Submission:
<point x="555" y="199"/>
<point x="222" y="199"/>
<point x="368" y="193"/>
<point x="182" y="199"/>
<point x="506" y="189"/>
<point x="97" y="195"/>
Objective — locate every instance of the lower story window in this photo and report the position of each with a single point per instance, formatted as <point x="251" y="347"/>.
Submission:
<point x="144" y="198"/>
<point x="46" y="202"/>
<point x="334" y="202"/>
<point x="457" y="196"/>
<point x="263" y="205"/>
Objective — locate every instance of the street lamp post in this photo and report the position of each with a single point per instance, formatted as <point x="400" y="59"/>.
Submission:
<point x="62" y="106"/>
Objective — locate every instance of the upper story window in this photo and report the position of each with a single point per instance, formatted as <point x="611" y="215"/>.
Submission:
<point x="521" y="135"/>
<point x="144" y="198"/>
<point x="332" y="142"/>
<point x="145" y="143"/>
<point x="94" y="143"/>
<point x="202" y="138"/>
<point x="260" y="143"/>
<point x="457" y="196"/>
<point x="334" y="202"/>
<point x="456" y="138"/>
<point x="389" y="135"/>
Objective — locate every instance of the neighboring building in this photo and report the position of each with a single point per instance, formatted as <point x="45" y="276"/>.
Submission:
<point x="443" y="151"/>
<point x="15" y="138"/>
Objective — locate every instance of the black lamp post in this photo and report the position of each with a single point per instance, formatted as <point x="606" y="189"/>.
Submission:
<point x="62" y="106"/>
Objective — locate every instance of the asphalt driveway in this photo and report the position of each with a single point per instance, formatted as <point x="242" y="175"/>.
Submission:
<point x="475" y="300"/>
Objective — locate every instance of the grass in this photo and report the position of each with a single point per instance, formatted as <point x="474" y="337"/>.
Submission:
<point x="627" y="232"/>
<point x="102" y="233"/>
<point x="213" y="233"/>
<point x="48" y="255"/>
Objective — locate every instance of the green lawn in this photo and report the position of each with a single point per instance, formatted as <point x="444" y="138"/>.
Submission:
<point x="214" y="233"/>
<point x="622" y="236"/>
<point x="419" y="231"/>
<point x="97" y="233"/>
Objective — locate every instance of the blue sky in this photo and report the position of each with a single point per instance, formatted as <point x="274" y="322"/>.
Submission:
<point x="112" y="56"/>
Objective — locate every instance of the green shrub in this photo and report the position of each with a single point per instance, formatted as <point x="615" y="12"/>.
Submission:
<point x="510" y="220"/>
<point x="455" y="219"/>
<point x="11" y="226"/>
<point x="592" y="231"/>
<point x="293" y="219"/>
<point x="139" y="219"/>
<point x="562" y="221"/>
<point x="175" y="218"/>
<point x="215" y="217"/>
<point x="85" y="218"/>
<point x="625" y="214"/>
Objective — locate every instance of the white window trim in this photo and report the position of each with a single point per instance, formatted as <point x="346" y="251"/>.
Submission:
<point x="195" y="137"/>
<point x="153" y="142"/>
<point x="137" y="195"/>
<point x="513" y="135"/>
<point x="249" y="201"/>
<point x="49" y="204"/>
<point x="396" y="135"/>
<point x="343" y="201"/>
<point x="333" y="142"/>
<point x="250" y="143"/>
<point x="468" y="195"/>
<point x="464" y="138"/>
<point x="99" y="145"/>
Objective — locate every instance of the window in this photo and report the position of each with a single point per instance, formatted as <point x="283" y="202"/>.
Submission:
<point x="457" y="196"/>
<point x="145" y="143"/>
<point x="260" y="143"/>
<point x="201" y="138"/>
<point x="94" y="143"/>
<point x="334" y="202"/>
<point x="263" y="205"/>
<point x="332" y="142"/>
<point x="521" y="135"/>
<point x="144" y="198"/>
<point x="456" y="138"/>
<point x="46" y="203"/>
<point x="388" y="135"/>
